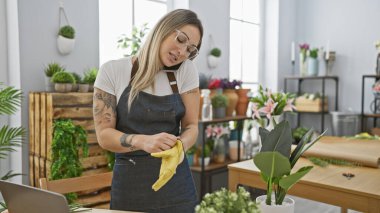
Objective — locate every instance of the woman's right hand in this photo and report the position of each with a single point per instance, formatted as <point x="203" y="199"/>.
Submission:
<point x="158" y="142"/>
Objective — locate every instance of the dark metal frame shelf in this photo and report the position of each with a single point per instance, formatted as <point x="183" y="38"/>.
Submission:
<point x="213" y="168"/>
<point x="323" y="79"/>
<point x="366" y="115"/>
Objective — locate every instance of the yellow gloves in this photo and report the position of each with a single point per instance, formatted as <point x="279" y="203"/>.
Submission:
<point x="170" y="160"/>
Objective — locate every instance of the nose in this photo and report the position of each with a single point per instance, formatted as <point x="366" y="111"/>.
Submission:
<point x="182" y="50"/>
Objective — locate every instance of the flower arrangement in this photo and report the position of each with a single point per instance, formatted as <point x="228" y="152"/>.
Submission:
<point x="269" y="104"/>
<point x="216" y="131"/>
<point x="215" y="83"/>
<point x="226" y="84"/>
<point x="303" y="50"/>
<point x="226" y="201"/>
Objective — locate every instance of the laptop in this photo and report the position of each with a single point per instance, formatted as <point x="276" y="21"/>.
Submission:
<point x="26" y="199"/>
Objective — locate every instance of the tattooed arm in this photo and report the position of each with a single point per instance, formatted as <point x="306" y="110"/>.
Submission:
<point x="104" y="110"/>
<point x="189" y="123"/>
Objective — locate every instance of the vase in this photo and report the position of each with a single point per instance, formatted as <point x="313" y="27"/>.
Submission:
<point x="303" y="65"/>
<point x="286" y="207"/>
<point x="312" y="66"/>
<point x="232" y="98"/>
<point x="233" y="150"/>
<point x="273" y="121"/>
<point x="65" y="45"/>
<point x="242" y="104"/>
<point x="219" y="112"/>
<point x="219" y="155"/>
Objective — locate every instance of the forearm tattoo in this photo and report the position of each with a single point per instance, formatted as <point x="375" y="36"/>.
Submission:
<point x="126" y="141"/>
<point x="104" y="107"/>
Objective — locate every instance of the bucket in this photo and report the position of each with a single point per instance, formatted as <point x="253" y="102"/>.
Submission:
<point x="345" y="123"/>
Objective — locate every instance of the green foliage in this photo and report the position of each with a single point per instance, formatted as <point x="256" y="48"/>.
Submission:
<point x="192" y="150"/>
<point x="67" y="31"/>
<point x="132" y="44"/>
<point x="226" y="201"/>
<point x="110" y="160"/>
<point x="63" y="77"/>
<point x="216" y="52"/>
<point x="67" y="140"/>
<point x="77" y="77"/>
<point x="323" y="162"/>
<point x="90" y="76"/>
<point x="276" y="160"/>
<point x="298" y="133"/>
<point x="10" y="137"/>
<point x="313" y="53"/>
<point x="53" y="68"/>
<point x="219" y="100"/>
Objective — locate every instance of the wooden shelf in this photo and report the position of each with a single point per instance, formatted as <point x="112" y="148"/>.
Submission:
<point x="372" y="115"/>
<point x="212" y="166"/>
<point x="225" y="119"/>
<point x="311" y="77"/>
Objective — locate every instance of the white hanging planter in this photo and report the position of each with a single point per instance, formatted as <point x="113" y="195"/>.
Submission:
<point x="213" y="61"/>
<point x="286" y="207"/>
<point x="65" y="45"/>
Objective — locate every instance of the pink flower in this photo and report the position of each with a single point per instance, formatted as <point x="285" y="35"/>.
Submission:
<point x="255" y="111"/>
<point x="268" y="108"/>
<point x="289" y="105"/>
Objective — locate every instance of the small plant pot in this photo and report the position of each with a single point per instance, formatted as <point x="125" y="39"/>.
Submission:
<point x="219" y="112"/>
<point x="286" y="207"/>
<point x="91" y="87"/>
<point x="49" y="86"/>
<point x="75" y="87"/>
<point x="213" y="61"/>
<point x="63" y="87"/>
<point x="83" y="88"/>
<point x="207" y="161"/>
<point x="65" y="45"/>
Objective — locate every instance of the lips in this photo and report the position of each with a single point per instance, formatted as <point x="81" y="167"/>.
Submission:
<point x="173" y="58"/>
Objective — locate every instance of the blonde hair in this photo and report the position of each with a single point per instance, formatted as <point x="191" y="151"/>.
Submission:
<point x="149" y="54"/>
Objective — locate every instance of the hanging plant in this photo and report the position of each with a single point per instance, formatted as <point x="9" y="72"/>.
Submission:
<point x="67" y="140"/>
<point x="66" y="35"/>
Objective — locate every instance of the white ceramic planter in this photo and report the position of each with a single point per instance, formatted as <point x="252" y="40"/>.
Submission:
<point x="63" y="87"/>
<point x="83" y="87"/>
<point x="207" y="161"/>
<point x="286" y="207"/>
<point x="213" y="61"/>
<point x="65" y="45"/>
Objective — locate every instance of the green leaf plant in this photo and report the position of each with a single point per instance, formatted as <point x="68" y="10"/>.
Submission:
<point x="275" y="159"/>
<point x="133" y="43"/>
<point x="10" y="137"/>
<point x="67" y="140"/>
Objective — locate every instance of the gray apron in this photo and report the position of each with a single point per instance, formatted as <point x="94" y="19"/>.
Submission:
<point x="135" y="172"/>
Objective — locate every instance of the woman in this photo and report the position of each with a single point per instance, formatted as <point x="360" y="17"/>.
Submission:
<point x="140" y="105"/>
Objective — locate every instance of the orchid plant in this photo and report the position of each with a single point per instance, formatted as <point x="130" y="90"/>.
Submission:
<point x="270" y="103"/>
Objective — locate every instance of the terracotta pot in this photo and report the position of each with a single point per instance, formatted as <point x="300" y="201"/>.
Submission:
<point x="242" y="105"/>
<point x="232" y="101"/>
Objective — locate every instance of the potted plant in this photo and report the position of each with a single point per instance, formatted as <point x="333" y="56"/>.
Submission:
<point x="275" y="161"/>
<point x="82" y="85"/>
<point x="63" y="81"/>
<point x="312" y="63"/>
<point x="132" y="44"/>
<point x="78" y="79"/>
<point x="66" y="39"/>
<point x="219" y="103"/>
<point x="226" y="201"/>
<point x="214" y="57"/>
<point x="50" y="70"/>
<point x="90" y="77"/>
<point x="190" y="155"/>
<point x="206" y="154"/>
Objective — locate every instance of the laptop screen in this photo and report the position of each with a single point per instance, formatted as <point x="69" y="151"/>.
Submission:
<point x="22" y="199"/>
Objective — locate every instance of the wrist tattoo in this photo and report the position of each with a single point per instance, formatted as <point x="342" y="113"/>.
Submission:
<point x="126" y="141"/>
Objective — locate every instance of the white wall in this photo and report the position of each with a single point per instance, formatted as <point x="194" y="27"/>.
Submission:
<point x="38" y="25"/>
<point x="215" y="17"/>
<point x="3" y="43"/>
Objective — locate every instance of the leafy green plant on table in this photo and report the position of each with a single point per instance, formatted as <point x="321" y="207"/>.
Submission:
<point x="226" y="201"/>
<point x="298" y="133"/>
<point x="132" y="44"/>
<point x="77" y="77"/>
<point x="63" y="77"/>
<point x="323" y="162"/>
<point x="90" y="76"/>
<point x="53" y="68"/>
<point x="219" y="100"/>
<point x="68" y="138"/>
<point x="275" y="159"/>
<point x="10" y="137"/>
<point x="67" y="31"/>
<point x="313" y="53"/>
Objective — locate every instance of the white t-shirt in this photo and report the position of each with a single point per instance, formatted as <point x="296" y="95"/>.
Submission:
<point x="114" y="76"/>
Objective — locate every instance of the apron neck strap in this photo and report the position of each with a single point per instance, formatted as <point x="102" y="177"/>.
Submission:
<point x="170" y="75"/>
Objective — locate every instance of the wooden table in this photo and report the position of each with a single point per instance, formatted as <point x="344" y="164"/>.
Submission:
<point x="105" y="211"/>
<point x="327" y="185"/>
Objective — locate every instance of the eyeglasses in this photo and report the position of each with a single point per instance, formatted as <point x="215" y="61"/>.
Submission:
<point x="183" y="41"/>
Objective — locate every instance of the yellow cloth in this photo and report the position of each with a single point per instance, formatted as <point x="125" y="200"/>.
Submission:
<point x="170" y="160"/>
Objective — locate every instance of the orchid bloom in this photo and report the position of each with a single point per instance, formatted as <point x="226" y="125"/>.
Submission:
<point x="209" y="131"/>
<point x="289" y="105"/>
<point x="255" y="111"/>
<point x="268" y="108"/>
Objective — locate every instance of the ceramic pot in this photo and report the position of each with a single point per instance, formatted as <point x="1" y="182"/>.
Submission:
<point x="286" y="207"/>
<point x="219" y="112"/>
<point x="303" y="65"/>
<point x="242" y="104"/>
<point x="312" y="67"/>
<point x="232" y="101"/>
<point x="83" y="87"/>
<point x="63" y="87"/>
<point x="49" y="86"/>
<point x="213" y="61"/>
<point x="65" y="45"/>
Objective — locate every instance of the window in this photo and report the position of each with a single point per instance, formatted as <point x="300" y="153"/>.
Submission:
<point x="116" y="17"/>
<point x="244" y="40"/>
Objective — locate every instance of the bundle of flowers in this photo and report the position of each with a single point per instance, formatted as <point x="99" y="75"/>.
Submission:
<point x="234" y="84"/>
